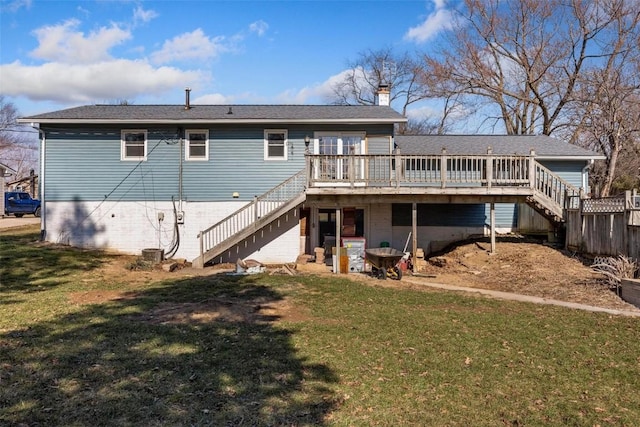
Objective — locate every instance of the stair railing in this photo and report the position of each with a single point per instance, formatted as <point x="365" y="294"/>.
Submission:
<point x="550" y="186"/>
<point x="248" y="215"/>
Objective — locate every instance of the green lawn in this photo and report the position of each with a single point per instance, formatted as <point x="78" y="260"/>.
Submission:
<point x="349" y="353"/>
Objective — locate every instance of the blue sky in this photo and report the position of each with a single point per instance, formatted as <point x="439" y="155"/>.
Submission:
<point x="58" y="54"/>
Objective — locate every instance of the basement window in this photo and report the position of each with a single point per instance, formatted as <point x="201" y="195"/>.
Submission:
<point x="275" y="144"/>
<point x="197" y="145"/>
<point x="133" y="145"/>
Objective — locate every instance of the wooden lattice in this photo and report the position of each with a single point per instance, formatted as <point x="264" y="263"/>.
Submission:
<point x="604" y="205"/>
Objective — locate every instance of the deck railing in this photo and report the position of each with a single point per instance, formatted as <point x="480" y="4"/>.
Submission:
<point x="410" y="170"/>
<point x="250" y="214"/>
<point x="551" y="186"/>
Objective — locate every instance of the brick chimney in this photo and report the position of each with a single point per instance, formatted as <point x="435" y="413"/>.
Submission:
<point x="383" y="95"/>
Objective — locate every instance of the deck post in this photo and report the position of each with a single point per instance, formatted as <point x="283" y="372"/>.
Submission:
<point x="256" y="215"/>
<point x="628" y="205"/>
<point x="399" y="167"/>
<point x="336" y="267"/>
<point x="532" y="168"/>
<point x="489" y="166"/>
<point x="200" y="263"/>
<point x="493" y="227"/>
<point x="352" y="168"/>
<point x="414" y="233"/>
<point x="443" y="168"/>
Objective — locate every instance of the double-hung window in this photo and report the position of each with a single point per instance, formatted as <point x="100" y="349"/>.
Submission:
<point x="133" y="145"/>
<point x="197" y="145"/>
<point x="275" y="144"/>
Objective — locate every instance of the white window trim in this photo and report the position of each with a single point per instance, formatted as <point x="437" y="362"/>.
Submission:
<point x="187" y="156"/>
<point x="266" y="145"/>
<point x="123" y="150"/>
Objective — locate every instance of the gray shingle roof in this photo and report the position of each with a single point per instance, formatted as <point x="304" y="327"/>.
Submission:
<point x="220" y="114"/>
<point x="544" y="146"/>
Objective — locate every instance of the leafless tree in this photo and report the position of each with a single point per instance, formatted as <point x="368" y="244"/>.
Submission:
<point x="521" y="60"/>
<point x="610" y="123"/>
<point x="526" y="65"/>
<point x="16" y="150"/>
<point x="400" y="72"/>
<point x="8" y="116"/>
<point x="606" y="115"/>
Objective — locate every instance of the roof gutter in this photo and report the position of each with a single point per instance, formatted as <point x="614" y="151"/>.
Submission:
<point x="214" y="121"/>
<point x="569" y="157"/>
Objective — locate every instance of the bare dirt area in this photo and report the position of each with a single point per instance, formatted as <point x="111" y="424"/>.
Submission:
<point x="518" y="266"/>
<point x="523" y="267"/>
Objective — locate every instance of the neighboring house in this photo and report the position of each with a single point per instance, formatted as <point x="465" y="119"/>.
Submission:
<point x="28" y="184"/>
<point x="213" y="183"/>
<point x="5" y="172"/>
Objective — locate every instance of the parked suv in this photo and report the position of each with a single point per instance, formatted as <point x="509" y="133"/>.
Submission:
<point x="20" y="203"/>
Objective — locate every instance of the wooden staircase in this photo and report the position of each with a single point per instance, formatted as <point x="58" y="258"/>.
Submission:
<point x="252" y="217"/>
<point x="552" y="195"/>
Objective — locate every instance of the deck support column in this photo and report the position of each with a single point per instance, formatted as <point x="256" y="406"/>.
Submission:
<point x="414" y="232"/>
<point x="336" y="268"/>
<point x="492" y="216"/>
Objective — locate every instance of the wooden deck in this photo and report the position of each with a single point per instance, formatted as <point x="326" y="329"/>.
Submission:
<point x="451" y="175"/>
<point x="397" y="178"/>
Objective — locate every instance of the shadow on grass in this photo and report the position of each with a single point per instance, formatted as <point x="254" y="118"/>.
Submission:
<point x="199" y="351"/>
<point x="27" y="265"/>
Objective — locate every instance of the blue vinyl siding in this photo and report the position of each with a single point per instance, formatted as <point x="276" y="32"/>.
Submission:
<point x="570" y="171"/>
<point x="440" y="215"/>
<point x="506" y="215"/>
<point x="85" y="164"/>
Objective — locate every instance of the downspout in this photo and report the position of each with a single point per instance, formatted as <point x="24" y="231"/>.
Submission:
<point x="585" y="179"/>
<point x="41" y="178"/>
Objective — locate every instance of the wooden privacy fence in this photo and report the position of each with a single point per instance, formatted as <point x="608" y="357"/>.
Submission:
<point x="608" y="226"/>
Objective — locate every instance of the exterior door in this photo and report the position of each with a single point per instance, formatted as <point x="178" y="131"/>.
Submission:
<point x="333" y="148"/>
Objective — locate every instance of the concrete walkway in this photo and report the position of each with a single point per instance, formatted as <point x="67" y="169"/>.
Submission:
<point x="12" y="221"/>
<point x="522" y="298"/>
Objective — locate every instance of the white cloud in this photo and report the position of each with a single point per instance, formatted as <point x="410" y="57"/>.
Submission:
<point x="82" y="83"/>
<point x="316" y="93"/>
<point x="214" y="99"/>
<point x="144" y="16"/>
<point x="193" y="45"/>
<point x="424" y="112"/>
<point x="15" y="5"/>
<point x="259" y="27"/>
<point x="63" y="43"/>
<point x="439" y="20"/>
<point x="83" y="11"/>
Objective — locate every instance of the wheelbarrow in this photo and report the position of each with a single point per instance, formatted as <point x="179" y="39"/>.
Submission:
<point x="384" y="262"/>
